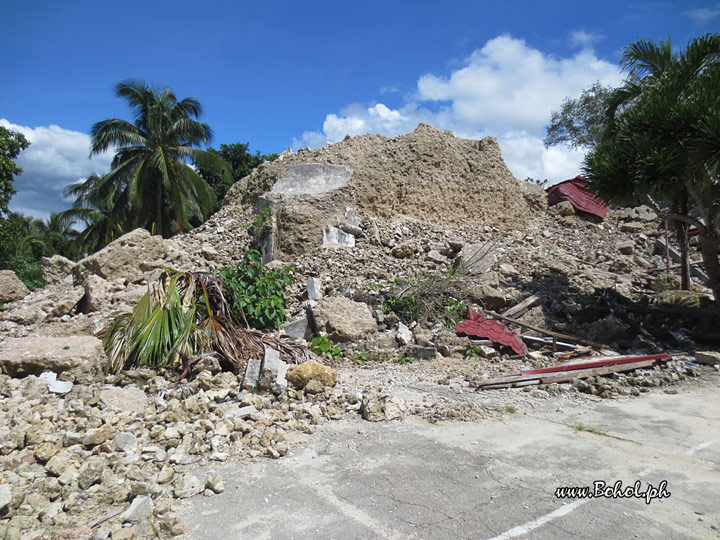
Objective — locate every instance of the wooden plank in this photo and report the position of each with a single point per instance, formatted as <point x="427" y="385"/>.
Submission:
<point x="564" y="376"/>
<point x="543" y="331"/>
<point x="596" y="363"/>
<point x="518" y="309"/>
<point x="594" y="372"/>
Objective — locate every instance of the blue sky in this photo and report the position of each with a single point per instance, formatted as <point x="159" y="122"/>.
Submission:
<point x="278" y="74"/>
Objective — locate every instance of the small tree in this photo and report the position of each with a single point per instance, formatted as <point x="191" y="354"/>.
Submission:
<point x="579" y="122"/>
<point x="11" y="144"/>
<point x="662" y="138"/>
<point x="240" y="161"/>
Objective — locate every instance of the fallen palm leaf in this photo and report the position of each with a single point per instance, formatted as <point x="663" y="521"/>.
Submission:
<point x="176" y="323"/>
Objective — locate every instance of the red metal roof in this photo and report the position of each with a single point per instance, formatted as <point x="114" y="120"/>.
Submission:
<point x="575" y="191"/>
<point x="478" y="326"/>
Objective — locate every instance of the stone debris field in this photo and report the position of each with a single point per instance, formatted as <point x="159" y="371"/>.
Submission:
<point x="389" y="241"/>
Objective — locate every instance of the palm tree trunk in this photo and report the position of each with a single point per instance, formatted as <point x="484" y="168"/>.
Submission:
<point x="710" y="248"/>
<point x="158" y="207"/>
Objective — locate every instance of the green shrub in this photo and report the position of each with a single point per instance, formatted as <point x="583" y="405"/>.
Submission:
<point x="473" y="350"/>
<point x="404" y="307"/>
<point x="257" y="293"/>
<point x="27" y="269"/>
<point x="322" y="346"/>
<point x="454" y="313"/>
<point x="405" y="360"/>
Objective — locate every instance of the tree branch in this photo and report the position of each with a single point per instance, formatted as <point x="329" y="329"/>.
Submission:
<point x="676" y="217"/>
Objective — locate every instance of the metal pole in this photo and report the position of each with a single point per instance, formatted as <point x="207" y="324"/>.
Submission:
<point x="667" y="248"/>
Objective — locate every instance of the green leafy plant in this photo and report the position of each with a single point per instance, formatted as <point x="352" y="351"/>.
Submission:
<point x="405" y="360"/>
<point x="181" y="318"/>
<point x="511" y="409"/>
<point x="257" y="293"/>
<point x="473" y="351"/>
<point x="322" y="346"/>
<point x="404" y="307"/>
<point x="262" y="219"/>
<point x="454" y="312"/>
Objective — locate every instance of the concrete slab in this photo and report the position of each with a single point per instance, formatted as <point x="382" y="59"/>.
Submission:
<point x="490" y="480"/>
<point x="311" y="179"/>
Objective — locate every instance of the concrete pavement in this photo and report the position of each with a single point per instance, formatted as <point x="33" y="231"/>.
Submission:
<point x="487" y="480"/>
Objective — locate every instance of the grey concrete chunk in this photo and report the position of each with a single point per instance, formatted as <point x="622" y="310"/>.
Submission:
<point x="422" y="353"/>
<point x="272" y="376"/>
<point x="311" y="179"/>
<point x="333" y="235"/>
<point x="252" y="373"/>
<point x="141" y="508"/>
<point x="298" y="329"/>
<point x="708" y="358"/>
<point x="404" y="335"/>
<point x="314" y="288"/>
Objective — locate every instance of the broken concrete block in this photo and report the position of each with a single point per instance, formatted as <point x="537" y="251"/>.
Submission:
<point x="344" y="320"/>
<point x="33" y="355"/>
<point x="476" y="259"/>
<point x="707" y="358"/>
<point x="252" y="374"/>
<point x="507" y="269"/>
<point x="626" y="247"/>
<point x="272" y="374"/>
<point x="404" y="336"/>
<point x="333" y="235"/>
<point x="395" y="408"/>
<point x="422" y="353"/>
<point x="487" y="352"/>
<point x="352" y="229"/>
<point x="314" y="288"/>
<point x="376" y="408"/>
<point x="141" y="508"/>
<point x="404" y="250"/>
<point x="56" y="268"/>
<point x="11" y="288"/>
<point x="298" y="329"/>
<point x="435" y="256"/>
<point x="311" y="179"/>
<point x="632" y="227"/>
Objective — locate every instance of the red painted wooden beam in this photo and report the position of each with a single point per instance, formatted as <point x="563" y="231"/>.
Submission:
<point x="596" y="363"/>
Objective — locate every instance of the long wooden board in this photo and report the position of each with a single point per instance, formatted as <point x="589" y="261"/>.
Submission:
<point x="558" y="377"/>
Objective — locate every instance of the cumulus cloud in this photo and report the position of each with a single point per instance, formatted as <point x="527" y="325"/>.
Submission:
<point x="55" y="158"/>
<point x="506" y="89"/>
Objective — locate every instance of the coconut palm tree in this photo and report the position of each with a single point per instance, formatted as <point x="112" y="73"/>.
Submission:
<point x="150" y="169"/>
<point x="662" y="138"/>
<point x="105" y="213"/>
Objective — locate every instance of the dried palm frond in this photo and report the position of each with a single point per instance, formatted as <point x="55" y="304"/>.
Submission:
<point x="183" y="317"/>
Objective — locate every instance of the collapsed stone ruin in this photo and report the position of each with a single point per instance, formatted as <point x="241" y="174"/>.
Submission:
<point x="356" y="221"/>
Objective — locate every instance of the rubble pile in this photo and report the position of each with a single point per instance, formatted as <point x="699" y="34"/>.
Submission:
<point x="87" y="455"/>
<point x="426" y="174"/>
<point x="73" y="456"/>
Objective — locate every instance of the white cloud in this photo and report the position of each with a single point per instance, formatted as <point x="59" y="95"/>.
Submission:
<point x="583" y="39"/>
<point x="702" y="16"/>
<point x="505" y="89"/>
<point x="55" y="158"/>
